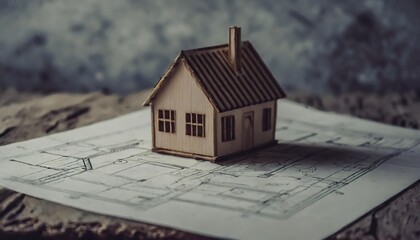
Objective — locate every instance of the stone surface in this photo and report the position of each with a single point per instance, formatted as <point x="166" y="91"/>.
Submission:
<point x="26" y="116"/>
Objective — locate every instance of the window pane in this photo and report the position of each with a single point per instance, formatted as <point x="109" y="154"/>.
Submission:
<point x="233" y="128"/>
<point x="228" y="128"/>
<point x="188" y="117"/>
<point x="172" y="127"/>
<point x="200" y="131"/>
<point x="194" y="130"/>
<point x="160" y="126"/>
<point x="223" y="129"/>
<point x="188" y="129"/>
<point x="200" y="118"/>
<point x="266" y="121"/>
<point x="167" y="122"/>
<point x="194" y="118"/>
<point x="167" y="126"/>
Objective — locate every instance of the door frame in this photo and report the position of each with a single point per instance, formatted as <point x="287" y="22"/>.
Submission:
<point x="244" y="116"/>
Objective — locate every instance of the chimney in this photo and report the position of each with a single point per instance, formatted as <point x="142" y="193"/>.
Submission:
<point x="235" y="47"/>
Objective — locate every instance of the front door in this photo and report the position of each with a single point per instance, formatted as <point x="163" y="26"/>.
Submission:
<point x="248" y="130"/>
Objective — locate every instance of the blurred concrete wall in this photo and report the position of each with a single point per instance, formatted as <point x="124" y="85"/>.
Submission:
<point x="126" y="45"/>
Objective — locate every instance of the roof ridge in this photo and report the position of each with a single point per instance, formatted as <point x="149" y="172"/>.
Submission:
<point x="193" y="50"/>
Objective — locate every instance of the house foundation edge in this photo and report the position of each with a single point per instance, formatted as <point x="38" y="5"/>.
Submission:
<point x="212" y="158"/>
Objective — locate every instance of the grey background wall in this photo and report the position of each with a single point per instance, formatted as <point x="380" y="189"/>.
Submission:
<point x="123" y="46"/>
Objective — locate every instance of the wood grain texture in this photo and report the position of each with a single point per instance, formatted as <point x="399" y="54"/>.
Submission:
<point x="259" y="137"/>
<point x="25" y="116"/>
<point x="183" y="95"/>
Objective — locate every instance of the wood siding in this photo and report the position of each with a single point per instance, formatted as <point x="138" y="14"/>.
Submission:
<point x="182" y="94"/>
<point x="260" y="137"/>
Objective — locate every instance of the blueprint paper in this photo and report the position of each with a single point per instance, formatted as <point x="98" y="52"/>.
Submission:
<point x="326" y="171"/>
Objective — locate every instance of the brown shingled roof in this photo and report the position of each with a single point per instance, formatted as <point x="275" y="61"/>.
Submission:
<point x="226" y="90"/>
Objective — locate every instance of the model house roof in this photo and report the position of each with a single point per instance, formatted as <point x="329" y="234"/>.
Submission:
<point x="226" y="87"/>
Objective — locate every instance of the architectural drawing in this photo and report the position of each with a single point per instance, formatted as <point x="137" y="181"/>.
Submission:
<point x="291" y="175"/>
<point x="310" y="163"/>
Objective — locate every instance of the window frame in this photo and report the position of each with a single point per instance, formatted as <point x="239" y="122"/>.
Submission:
<point x="166" y="121"/>
<point x="266" y="119"/>
<point x="228" y="128"/>
<point x="195" y="124"/>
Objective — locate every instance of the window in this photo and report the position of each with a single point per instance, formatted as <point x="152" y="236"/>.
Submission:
<point x="228" y="128"/>
<point x="266" y="119"/>
<point x="195" y="124"/>
<point x="166" y="121"/>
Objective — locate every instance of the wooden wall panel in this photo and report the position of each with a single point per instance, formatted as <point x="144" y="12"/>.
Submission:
<point x="260" y="137"/>
<point x="182" y="94"/>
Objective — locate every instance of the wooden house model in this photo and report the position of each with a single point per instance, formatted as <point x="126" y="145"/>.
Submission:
<point x="215" y="101"/>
